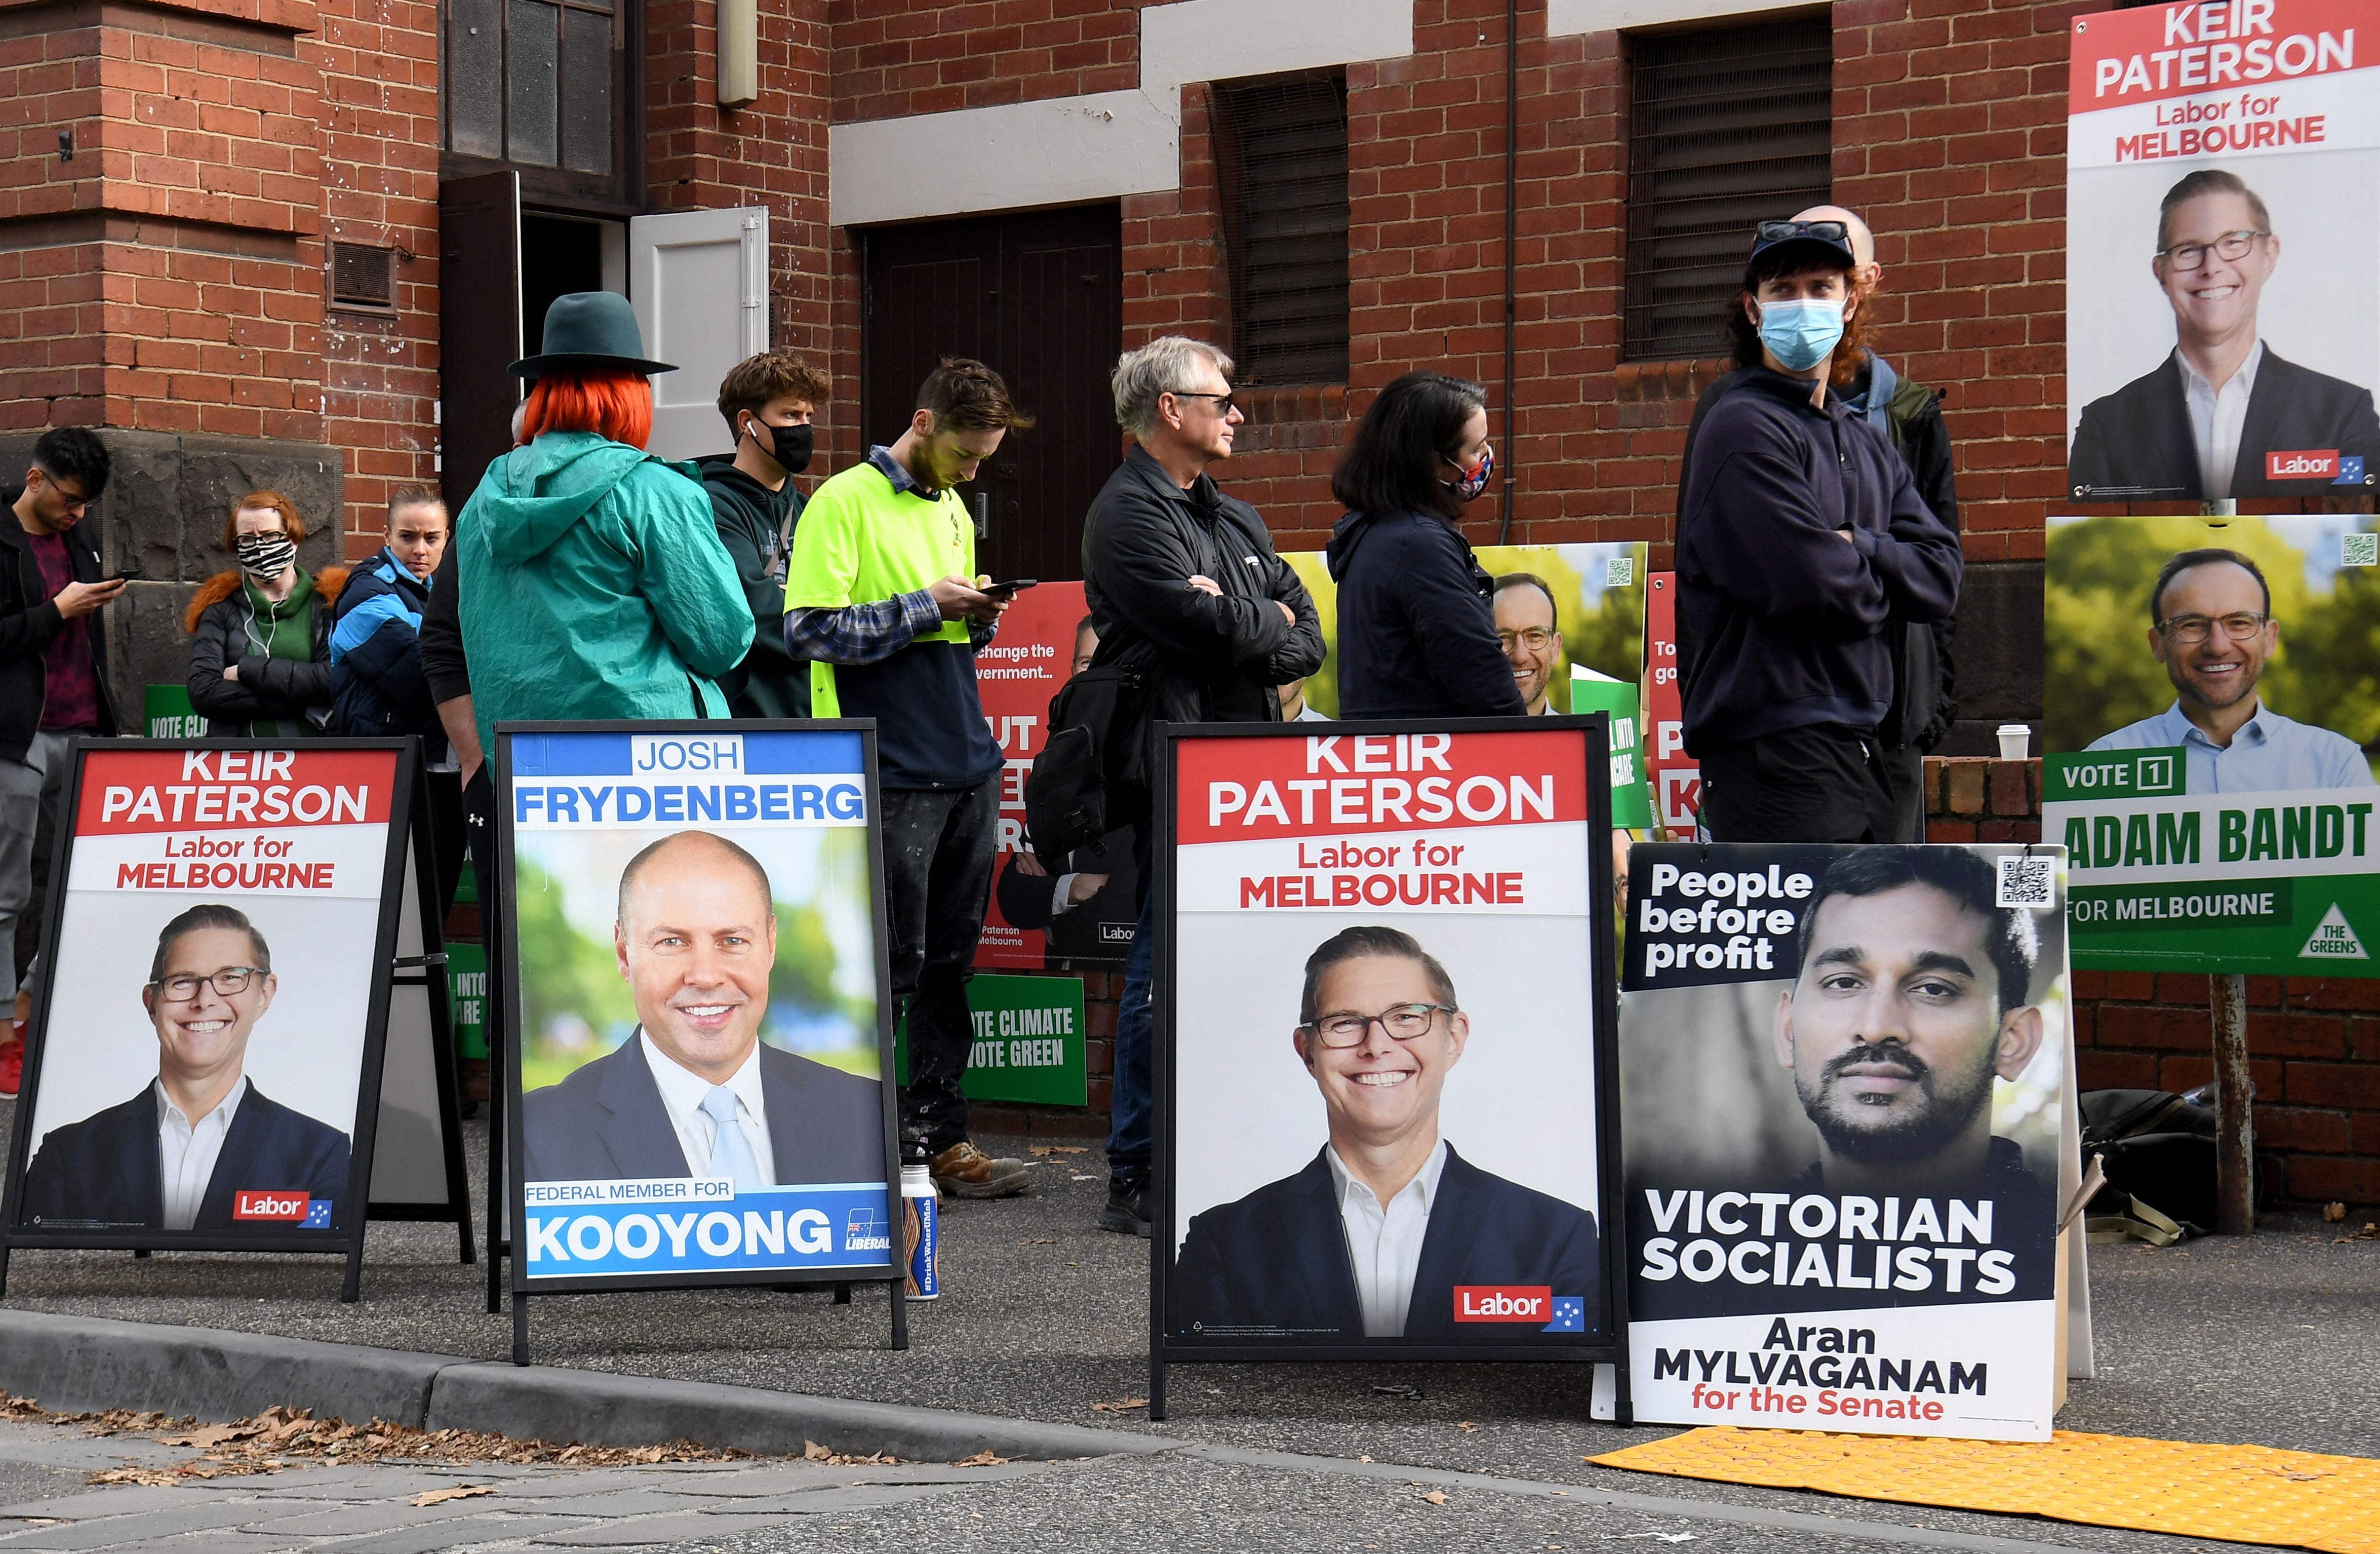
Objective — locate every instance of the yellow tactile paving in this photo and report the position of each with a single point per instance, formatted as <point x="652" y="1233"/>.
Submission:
<point x="2244" y="1494"/>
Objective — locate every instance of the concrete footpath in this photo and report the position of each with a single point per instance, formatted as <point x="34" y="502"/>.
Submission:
<point x="1044" y="1318"/>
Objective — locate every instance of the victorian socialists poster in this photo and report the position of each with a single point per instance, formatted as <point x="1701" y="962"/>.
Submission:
<point x="1842" y="1070"/>
<point x="1384" y="1101"/>
<point x="700" y="1061"/>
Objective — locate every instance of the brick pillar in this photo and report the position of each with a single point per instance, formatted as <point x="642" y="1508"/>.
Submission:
<point x="159" y="252"/>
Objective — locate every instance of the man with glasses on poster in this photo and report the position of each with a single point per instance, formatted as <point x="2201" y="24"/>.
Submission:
<point x="1374" y="1236"/>
<point x="2222" y="416"/>
<point x="180" y="1154"/>
<point x="2211" y="626"/>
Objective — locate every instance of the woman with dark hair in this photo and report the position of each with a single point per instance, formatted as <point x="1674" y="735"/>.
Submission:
<point x="261" y="632"/>
<point x="1416" y="628"/>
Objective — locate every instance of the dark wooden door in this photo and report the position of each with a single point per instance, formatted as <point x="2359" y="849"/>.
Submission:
<point x="478" y="327"/>
<point x="1039" y="299"/>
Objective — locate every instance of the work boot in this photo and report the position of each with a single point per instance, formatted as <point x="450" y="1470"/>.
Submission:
<point x="965" y="1172"/>
<point x="1126" y="1210"/>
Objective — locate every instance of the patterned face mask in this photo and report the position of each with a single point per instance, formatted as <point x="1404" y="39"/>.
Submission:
<point x="266" y="556"/>
<point x="1473" y="481"/>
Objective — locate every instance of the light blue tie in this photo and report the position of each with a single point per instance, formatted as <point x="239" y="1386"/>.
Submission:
<point x="731" y="1152"/>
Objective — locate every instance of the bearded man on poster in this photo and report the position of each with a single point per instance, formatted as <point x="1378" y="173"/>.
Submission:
<point x="1912" y="1000"/>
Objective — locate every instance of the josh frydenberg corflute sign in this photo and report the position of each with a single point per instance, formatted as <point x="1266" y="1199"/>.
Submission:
<point x="1842" y="1070"/>
<point x="1383" y="1076"/>
<point x="697" y="1014"/>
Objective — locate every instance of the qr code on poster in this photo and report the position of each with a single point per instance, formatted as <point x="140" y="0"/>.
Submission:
<point x="1619" y="572"/>
<point x="2359" y="550"/>
<point x="2026" y="882"/>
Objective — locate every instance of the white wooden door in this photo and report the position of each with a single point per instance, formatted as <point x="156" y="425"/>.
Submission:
<point x="699" y="283"/>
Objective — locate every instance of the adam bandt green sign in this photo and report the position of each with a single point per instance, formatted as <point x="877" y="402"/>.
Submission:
<point x="1028" y="1041"/>
<point x="2282" y="883"/>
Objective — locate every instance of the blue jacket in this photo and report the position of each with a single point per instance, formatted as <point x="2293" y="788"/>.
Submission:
<point x="103" y="1171"/>
<point x="1278" y="1258"/>
<point x="377" y="687"/>
<point x="1416" y="622"/>
<point x="1787" y="620"/>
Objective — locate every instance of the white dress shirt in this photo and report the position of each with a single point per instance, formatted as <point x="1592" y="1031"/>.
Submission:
<point x="2216" y="418"/>
<point x="187" y="1152"/>
<point x="682" y="1095"/>
<point x="1384" y="1243"/>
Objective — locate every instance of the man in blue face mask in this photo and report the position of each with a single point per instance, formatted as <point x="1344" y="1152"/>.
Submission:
<point x="1909" y="415"/>
<point x="1802" y="544"/>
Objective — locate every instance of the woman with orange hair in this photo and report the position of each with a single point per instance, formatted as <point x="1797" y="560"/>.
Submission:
<point x="592" y="581"/>
<point x="261" y="633"/>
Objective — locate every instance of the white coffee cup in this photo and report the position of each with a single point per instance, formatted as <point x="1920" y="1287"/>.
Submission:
<point x="2016" y="739"/>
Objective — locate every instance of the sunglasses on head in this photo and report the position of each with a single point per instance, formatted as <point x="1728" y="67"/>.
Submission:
<point x="1779" y="231"/>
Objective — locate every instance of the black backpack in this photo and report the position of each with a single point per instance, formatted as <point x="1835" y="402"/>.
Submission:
<point x="2159" y="1151"/>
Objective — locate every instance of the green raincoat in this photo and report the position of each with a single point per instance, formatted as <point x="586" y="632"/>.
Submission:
<point x="593" y="585"/>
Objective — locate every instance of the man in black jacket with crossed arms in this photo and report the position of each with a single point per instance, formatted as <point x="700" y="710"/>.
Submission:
<point x="1185" y="588"/>
<point x="1802" y="537"/>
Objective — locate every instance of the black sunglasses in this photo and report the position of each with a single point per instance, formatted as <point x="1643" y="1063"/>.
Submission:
<point x="1779" y="231"/>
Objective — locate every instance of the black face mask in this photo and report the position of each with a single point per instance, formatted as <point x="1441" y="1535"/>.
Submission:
<point x="791" y="446"/>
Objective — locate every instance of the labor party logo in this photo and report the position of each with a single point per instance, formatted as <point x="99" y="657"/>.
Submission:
<point x="282" y="1208"/>
<point x="1534" y="1305"/>
<point x="2301" y="463"/>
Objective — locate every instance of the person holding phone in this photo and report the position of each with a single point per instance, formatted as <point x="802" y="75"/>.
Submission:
<point x="52" y="651"/>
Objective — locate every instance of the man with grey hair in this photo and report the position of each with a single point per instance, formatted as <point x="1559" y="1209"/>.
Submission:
<point x="1187" y="595"/>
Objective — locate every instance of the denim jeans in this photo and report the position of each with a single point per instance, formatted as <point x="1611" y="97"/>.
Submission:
<point x="937" y="855"/>
<point x="1129" y="1118"/>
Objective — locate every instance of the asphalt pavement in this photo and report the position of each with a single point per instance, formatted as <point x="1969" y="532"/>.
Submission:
<point x="1044" y="1316"/>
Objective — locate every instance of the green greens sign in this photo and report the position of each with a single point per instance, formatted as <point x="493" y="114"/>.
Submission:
<point x="1631" y="801"/>
<point x="2158" y="773"/>
<point x="170" y="714"/>
<point x="466" y="975"/>
<point x="2277" y="883"/>
<point x="1028" y="1041"/>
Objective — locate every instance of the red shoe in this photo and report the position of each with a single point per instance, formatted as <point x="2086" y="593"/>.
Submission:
<point x="12" y="1066"/>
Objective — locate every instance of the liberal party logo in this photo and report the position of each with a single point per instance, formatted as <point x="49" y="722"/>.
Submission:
<point x="285" y="1208"/>
<point x="1535" y="1304"/>
<point x="867" y="1230"/>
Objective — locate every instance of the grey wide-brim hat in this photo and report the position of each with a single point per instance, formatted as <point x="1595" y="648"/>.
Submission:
<point x="590" y="329"/>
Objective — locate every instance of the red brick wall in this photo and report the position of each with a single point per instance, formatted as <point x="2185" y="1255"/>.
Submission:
<point x="378" y="61"/>
<point x="164" y="269"/>
<point x="2314" y="1044"/>
<point x="894" y="59"/>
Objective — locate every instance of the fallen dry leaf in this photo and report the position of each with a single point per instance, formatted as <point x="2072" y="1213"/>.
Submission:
<point x="1057" y="1149"/>
<point x="983" y="1459"/>
<point x="2332" y="1213"/>
<point x="1436" y="1497"/>
<point x="1041" y="1241"/>
<point x="1124" y="1406"/>
<point x="1465" y="1425"/>
<point x="453" y="1492"/>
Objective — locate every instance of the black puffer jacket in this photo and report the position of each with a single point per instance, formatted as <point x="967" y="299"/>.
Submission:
<point x="1208" y="657"/>
<point x="268" y="690"/>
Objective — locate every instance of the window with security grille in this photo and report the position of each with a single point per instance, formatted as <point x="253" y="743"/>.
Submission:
<point x="1729" y="127"/>
<point x="1281" y="153"/>
<point x="548" y="87"/>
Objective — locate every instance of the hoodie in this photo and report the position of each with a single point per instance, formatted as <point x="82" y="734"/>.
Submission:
<point x="1801" y="536"/>
<point x="1416" y="622"/>
<point x="594" y="585"/>
<point x="757" y="526"/>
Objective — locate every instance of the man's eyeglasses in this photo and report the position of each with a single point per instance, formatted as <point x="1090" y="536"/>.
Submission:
<point x="1406" y="1022"/>
<point x="2191" y="630"/>
<point x="230" y="982"/>
<point x="1778" y="231"/>
<point x="2230" y="246"/>
<point x="1536" y="639"/>
<point x="1224" y="404"/>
